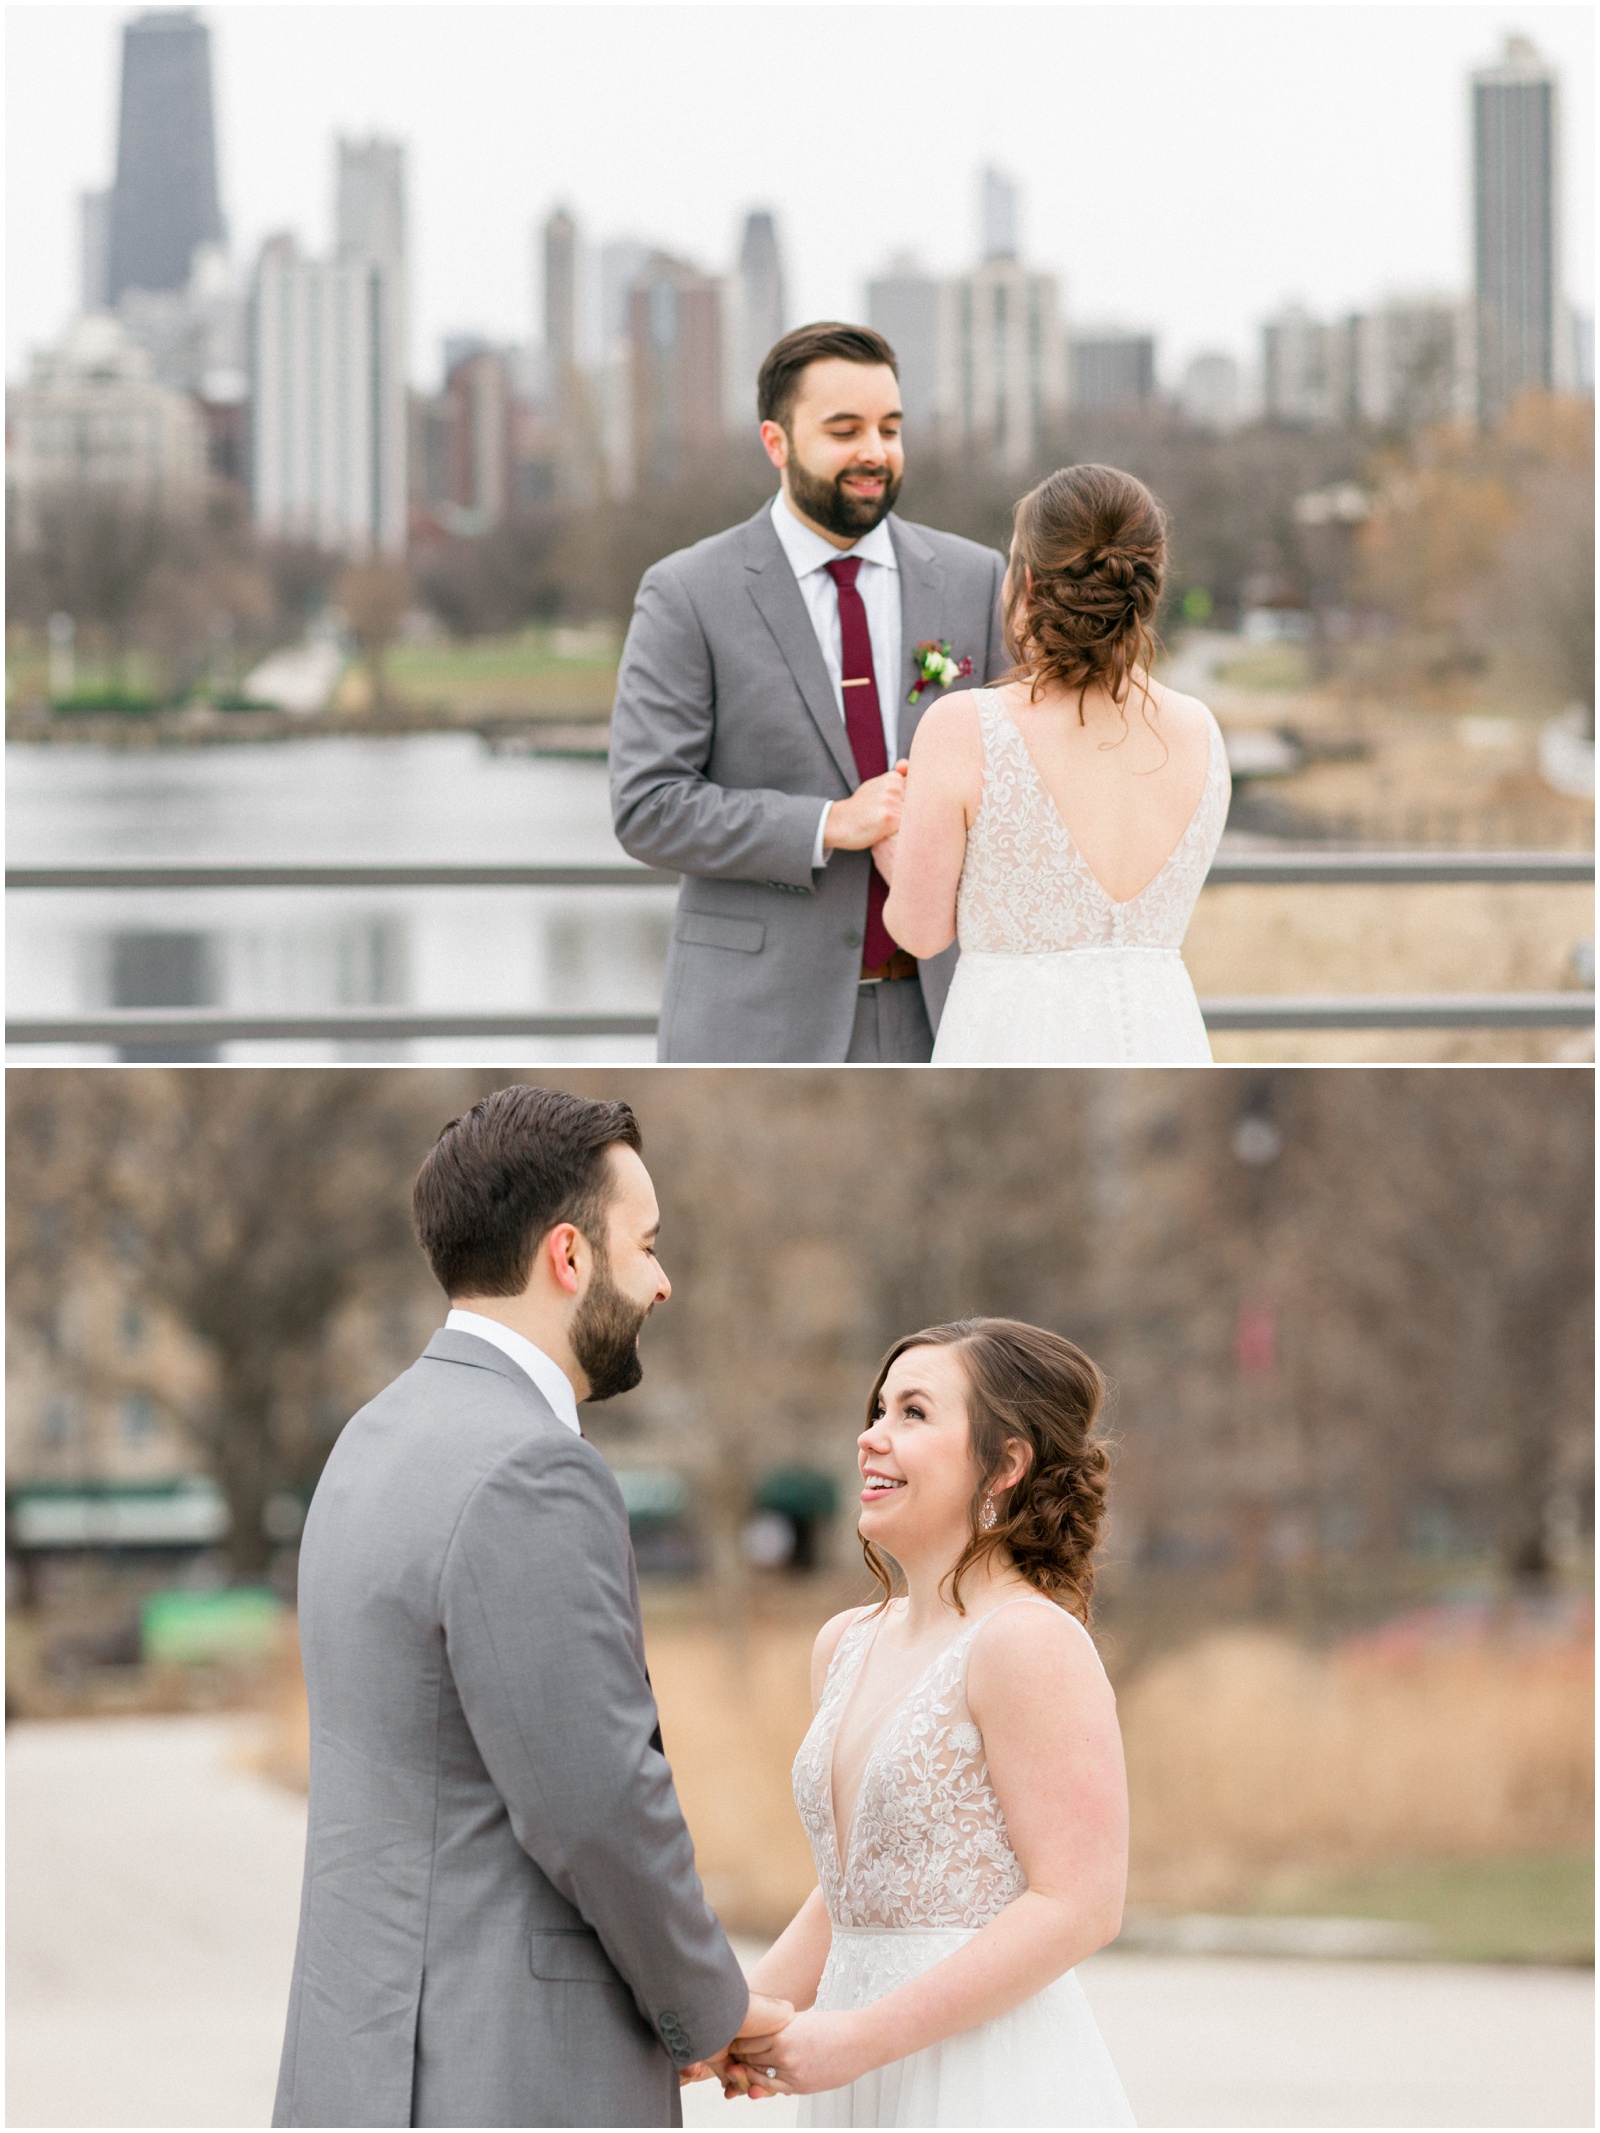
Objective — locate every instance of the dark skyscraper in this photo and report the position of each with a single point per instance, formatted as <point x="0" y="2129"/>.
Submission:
<point x="1515" y="228"/>
<point x="164" y="201"/>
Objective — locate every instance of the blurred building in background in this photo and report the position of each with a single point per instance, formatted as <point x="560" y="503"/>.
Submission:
<point x="675" y="349"/>
<point x="1111" y="370"/>
<point x="1522" y="327"/>
<point x="329" y="402"/>
<point x="164" y="201"/>
<point x="93" y="419"/>
<point x="1210" y="395"/>
<point x="755" y="315"/>
<point x="1413" y="364"/>
<point x="980" y="353"/>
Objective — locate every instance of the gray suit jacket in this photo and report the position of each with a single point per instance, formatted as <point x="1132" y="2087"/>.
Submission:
<point x="725" y="740"/>
<point x="501" y="1924"/>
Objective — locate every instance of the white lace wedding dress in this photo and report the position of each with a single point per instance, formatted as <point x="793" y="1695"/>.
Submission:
<point x="926" y="1863"/>
<point x="1053" y="971"/>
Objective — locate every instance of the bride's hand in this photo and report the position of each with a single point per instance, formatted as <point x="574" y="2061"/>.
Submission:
<point x="883" y="856"/>
<point x="813" y="2052"/>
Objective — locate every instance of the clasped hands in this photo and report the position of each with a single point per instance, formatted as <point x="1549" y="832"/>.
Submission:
<point x="780" y="2053"/>
<point x="870" y="819"/>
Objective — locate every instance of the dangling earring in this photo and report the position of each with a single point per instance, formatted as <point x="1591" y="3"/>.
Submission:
<point x="990" y="1515"/>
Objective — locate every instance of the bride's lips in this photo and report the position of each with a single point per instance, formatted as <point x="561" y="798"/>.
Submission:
<point x="876" y="1487"/>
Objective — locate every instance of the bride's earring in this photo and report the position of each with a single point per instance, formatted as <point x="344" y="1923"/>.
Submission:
<point x="987" y="1521"/>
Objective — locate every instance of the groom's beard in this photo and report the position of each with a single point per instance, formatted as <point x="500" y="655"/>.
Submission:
<point x="826" y="503"/>
<point x="605" y="1337"/>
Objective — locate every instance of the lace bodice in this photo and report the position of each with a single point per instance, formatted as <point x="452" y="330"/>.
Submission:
<point x="928" y="1845"/>
<point x="1025" y="887"/>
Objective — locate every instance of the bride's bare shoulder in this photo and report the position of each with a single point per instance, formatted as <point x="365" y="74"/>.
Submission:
<point x="1023" y="1645"/>
<point x="1183" y="716"/>
<point x="948" y="727"/>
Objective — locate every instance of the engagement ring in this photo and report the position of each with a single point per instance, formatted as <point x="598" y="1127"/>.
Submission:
<point x="772" y="2073"/>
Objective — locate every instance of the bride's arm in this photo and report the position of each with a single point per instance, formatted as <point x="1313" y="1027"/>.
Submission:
<point x="943" y="787"/>
<point x="1050" y="1737"/>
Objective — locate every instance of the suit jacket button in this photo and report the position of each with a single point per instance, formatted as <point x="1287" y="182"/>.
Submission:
<point x="853" y="939"/>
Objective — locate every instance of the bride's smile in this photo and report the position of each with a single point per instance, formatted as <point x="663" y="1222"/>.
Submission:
<point x="919" y="1476"/>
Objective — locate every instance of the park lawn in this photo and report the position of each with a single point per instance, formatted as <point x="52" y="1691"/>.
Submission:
<point x="1525" y="1908"/>
<point x="531" y="670"/>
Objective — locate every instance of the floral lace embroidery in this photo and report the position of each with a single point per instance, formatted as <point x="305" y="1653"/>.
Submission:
<point x="1025" y="888"/>
<point x="929" y="1845"/>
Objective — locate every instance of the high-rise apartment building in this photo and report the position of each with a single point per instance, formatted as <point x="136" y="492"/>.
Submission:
<point x="94" y="251"/>
<point x="560" y="248"/>
<point x="1516" y="236"/>
<point x="753" y="315"/>
<point x="93" y="419"/>
<point x="1111" y="370"/>
<point x="1307" y="369"/>
<point x="911" y="309"/>
<point x="329" y="440"/>
<point x="675" y="346"/>
<point x="1004" y="363"/>
<point x="164" y="200"/>
<point x="998" y="216"/>
<point x="1210" y="395"/>
<point x="1413" y="362"/>
<point x="980" y="354"/>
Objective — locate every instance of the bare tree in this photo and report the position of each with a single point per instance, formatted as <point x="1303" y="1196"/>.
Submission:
<point x="374" y="596"/>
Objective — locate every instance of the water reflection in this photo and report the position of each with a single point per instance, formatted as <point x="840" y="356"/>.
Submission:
<point x="431" y="798"/>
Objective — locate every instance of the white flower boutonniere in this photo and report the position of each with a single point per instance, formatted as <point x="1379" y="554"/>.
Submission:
<point x="936" y="667"/>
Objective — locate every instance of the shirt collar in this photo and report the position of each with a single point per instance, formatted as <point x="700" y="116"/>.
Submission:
<point x="808" y="551"/>
<point x="549" y="1377"/>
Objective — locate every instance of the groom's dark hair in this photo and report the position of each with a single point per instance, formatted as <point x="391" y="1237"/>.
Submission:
<point x="503" y="1175"/>
<point x="787" y="361"/>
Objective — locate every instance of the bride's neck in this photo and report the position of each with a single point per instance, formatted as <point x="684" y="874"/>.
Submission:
<point x="928" y="1593"/>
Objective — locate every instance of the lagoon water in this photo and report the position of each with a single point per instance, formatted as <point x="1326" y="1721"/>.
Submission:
<point x="425" y="798"/>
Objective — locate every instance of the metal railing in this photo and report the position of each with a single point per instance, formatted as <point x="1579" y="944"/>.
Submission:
<point x="206" y="1026"/>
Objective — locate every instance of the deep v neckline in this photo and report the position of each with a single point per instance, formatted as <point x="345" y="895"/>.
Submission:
<point x="1117" y="903"/>
<point x="842" y="1851"/>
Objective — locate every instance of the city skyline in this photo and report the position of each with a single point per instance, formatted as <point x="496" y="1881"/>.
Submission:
<point x="472" y="259"/>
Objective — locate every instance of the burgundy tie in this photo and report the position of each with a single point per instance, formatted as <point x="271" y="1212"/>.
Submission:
<point x="863" y="722"/>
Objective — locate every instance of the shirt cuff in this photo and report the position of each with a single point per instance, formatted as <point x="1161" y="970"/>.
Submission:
<point x="819" y="856"/>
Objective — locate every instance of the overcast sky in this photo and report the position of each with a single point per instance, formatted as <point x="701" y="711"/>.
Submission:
<point x="1186" y="168"/>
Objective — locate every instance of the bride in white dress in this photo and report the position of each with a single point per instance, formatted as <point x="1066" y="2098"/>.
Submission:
<point x="962" y="1782"/>
<point x="1061" y="826"/>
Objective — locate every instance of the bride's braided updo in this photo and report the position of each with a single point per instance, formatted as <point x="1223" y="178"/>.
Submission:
<point x="1027" y="1386"/>
<point x="1088" y="559"/>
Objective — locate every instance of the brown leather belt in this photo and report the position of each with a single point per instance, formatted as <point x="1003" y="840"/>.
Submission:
<point x="899" y="965"/>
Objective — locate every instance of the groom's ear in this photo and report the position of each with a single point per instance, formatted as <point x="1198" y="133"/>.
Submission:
<point x="775" y="440"/>
<point x="559" y="1250"/>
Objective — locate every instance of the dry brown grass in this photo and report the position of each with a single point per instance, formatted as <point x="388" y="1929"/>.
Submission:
<point x="1248" y="1757"/>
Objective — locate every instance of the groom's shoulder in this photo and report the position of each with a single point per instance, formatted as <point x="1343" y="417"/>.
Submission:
<point x="711" y="560"/>
<point x="953" y="550"/>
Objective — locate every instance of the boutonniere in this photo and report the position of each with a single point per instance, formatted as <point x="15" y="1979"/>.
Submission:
<point x="936" y="668"/>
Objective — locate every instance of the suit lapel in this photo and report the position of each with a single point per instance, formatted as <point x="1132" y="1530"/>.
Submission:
<point x="921" y="616"/>
<point x="782" y="607"/>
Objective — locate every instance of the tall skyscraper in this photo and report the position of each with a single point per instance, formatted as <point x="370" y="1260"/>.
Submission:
<point x="1516" y="239"/>
<point x="164" y="200"/>
<point x="1111" y="370"/>
<point x="561" y="292"/>
<point x="675" y="340"/>
<point x="328" y="361"/>
<point x="94" y="257"/>
<point x="909" y="308"/>
<point x="1007" y="357"/>
<point x="997" y="216"/>
<point x="755" y="314"/>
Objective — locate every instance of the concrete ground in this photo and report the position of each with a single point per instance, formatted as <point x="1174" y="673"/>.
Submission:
<point x="152" y="1886"/>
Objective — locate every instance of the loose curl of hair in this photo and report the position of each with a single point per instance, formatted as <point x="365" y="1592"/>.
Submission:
<point x="1039" y="1390"/>
<point x="1089" y="556"/>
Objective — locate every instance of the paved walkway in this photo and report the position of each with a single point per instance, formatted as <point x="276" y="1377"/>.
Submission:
<point x="152" y="1887"/>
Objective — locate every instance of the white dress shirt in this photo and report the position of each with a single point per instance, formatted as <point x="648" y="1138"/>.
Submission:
<point x="878" y="583"/>
<point x="550" y="1378"/>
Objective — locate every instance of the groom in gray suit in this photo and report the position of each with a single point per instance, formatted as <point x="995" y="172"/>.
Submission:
<point x="770" y="684"/>
<point x="501" y="1924"/>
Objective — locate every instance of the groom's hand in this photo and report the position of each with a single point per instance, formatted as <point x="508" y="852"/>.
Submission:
<point x="764" y="2017"/>
<point x="871" y="813"/>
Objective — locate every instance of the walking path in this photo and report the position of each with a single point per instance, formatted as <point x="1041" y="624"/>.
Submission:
<point x="152" y="1889"/>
